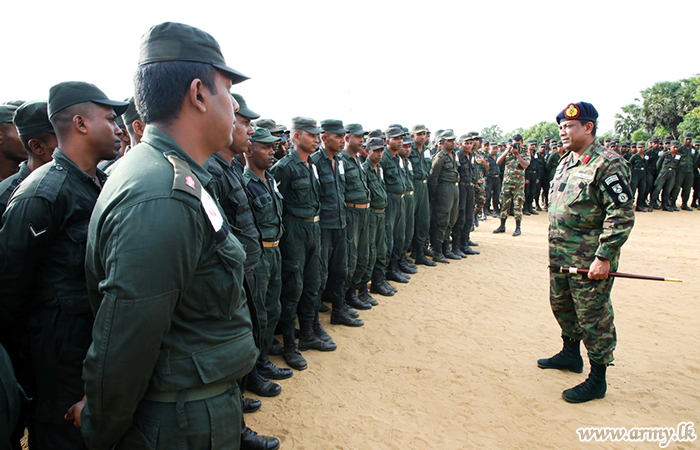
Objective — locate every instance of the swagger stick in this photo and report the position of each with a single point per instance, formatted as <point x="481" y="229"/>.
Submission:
<point x="576" y="270"/>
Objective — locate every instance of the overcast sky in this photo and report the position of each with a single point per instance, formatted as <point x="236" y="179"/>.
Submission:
<point x="462" y="65"/>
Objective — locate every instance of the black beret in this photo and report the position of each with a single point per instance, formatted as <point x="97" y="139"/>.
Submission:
<point x="582" y="111"/>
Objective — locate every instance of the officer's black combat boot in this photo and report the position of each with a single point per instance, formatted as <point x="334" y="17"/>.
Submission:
<point x="517" y="228"/>
<point x="363" y="295"/>
<point x="378" y="287"/>
<point x="250" y="440"/>
<point x="353" y="300"/>
<point x="569" y="358"/>
<point x="269" y="370"/>
<point x="320" y="332"/>
<point x="421" y="259"/>
<point x="394" y="274"/>
<point x="261" y="386"/>
<point x="291" y="353"/>
<point x="502" y="228"/>
<point x="448" y="253"/>
<point x="340" y="316"/>
<point x="389" y="286"/>
<point x="594" y="386"/>
<point x="309" y="341"/>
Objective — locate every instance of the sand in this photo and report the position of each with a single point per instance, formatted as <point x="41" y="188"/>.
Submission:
<point x="449" y="361"/>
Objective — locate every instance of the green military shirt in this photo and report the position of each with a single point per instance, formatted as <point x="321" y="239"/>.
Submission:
<point x="637" y="162"/>
<point x="165" y="277"/>
<point x="444" y="170"/>
<point x="42" y="240"/>
<point x="393" y="180"/>
<point x="9" y="184"/>
<point x="299" y="185"/>
<point x="233" y="199"/>
<point x="466" y="169"/>
<point x="421" y="162"/>
<point x="375" y="182"/>
<point x="356" y="188"/>
<point x="552" y="163"/>
<point x="332" y="190"/>
<point x="668" y="162"/>
<point x="591" y="208"/>
<point x="687" y="159"/>
<point x="266" y="202"/>
<point x="407" y="174"/>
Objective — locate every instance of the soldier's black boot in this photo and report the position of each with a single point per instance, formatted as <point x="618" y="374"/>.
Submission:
<point x="405" y="267"/>
<point x="517" y="228"/>
<point x="354" y="301"/>
<point x="269" y="370"/>
<point x="526" y="209"/>
<point x="378" y="287"/>
<point x="394" y="274"/>
<point x="291" y="353"/>
<point x="320" y="332"/>
<point x="439" y="257"/>
<point x="457" y="251"/>
<point x="250" y="440"/>
<point x="421" y="259"/>
<point x="502" y="228"/>
<point x="308" y="339"/>
<point x="532" y="211"/>
<point x="594" y="387"/>
<point x="339" y="316"/>
<point x="448" y="253"/>
<point x="363" y="295"/>
<point x="261" y="386"/>
<point x="569" y="358"/>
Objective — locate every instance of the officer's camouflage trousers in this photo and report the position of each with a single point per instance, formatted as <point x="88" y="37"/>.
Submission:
<point x="584" y="312"/>
<point x="512" y="195"/>
<point x="479" y="196"/>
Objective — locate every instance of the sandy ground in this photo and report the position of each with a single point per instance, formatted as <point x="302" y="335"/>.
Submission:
<point x="449" y="361"/>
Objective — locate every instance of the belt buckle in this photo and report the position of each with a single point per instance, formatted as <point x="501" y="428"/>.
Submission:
<point x="425" y="181"/>
<point x="317" y="218"/>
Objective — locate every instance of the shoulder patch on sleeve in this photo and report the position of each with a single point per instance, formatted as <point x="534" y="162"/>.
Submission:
<point x="617" y="189"/>
<point x="184" y="179"/>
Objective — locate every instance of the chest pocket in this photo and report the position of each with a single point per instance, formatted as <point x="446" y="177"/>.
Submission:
<point x="301" y="183"/>
<point x="226" y="286"/>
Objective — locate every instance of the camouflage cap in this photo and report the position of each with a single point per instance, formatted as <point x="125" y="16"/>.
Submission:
<point x="355" y="128"/>
<point x="243" y="107"/>
<point x="171" y="41"/>
<point x="69" y="93"/>
<point x="418" y="128"/>
<point x="6" y="113"/>
<point x="333" y="126"/>
<point x="32" y="118"/>
<point x="393" y="132"/>
<point x="306" y="124"/>
<point x="263" y="135"/>
<point x="375" y="143"/>
<point x="269" y="124"/>
<point x="131" y="114"/>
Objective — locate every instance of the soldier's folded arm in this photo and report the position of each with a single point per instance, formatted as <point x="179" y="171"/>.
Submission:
<point x="434" y="175"/>
<point x="143" y="260"/>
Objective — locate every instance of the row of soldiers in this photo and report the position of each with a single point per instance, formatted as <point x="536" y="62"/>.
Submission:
<point x="661" y="172"/>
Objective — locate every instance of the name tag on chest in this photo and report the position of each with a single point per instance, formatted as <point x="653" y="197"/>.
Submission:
<point x="585" y="176"/>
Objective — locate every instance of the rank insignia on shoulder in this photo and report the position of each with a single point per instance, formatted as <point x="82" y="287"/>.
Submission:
<point x="572" y="111"/>
<point x="586" y="159"/>
<point x="189" y="181"/>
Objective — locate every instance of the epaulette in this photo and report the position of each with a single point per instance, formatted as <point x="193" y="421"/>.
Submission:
<point x="184" y="179"/>
<point x="51" y="182"/>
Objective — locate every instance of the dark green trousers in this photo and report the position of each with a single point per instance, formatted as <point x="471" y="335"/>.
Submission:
<point x="444" y="213"/>
<point x="358" y="244"/>
<point x="301" y="272"/>
<point x="376" y="260"/>
<point x="421" y="226"/>
<point x="683" y="180"/>
<point x="395" y="227"/>
<point x="334" y="264"/>
<point x="269" y="288"/>
<point x="410" y="203"/>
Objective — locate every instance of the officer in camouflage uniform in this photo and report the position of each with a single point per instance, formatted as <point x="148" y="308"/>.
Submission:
<point x="591" y="215"/>
<point x="443" y="186"/>
<point x="639" y="177"/>
<point x="516" y="160"/>
<point x="480" y="185"/>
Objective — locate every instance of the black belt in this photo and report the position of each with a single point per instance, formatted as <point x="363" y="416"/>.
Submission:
<point x="307" y="219"/>
<point x="378" y="210"/>
<point x="395" y="195"/>
<point x="464" y="183"/>
<point x="494" y="176"/>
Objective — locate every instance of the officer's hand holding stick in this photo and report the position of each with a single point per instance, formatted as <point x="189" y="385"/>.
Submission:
<point x="577" y="270"/>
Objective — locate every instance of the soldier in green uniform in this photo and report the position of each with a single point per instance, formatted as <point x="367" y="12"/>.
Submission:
<point x="467" y="177"/>
<point x="480" y="186"/>
<point x="395" y="209"/>
<point x="443" y="186"/>
<point x="377" y="260"/>
<point x="405" y="265"/>
<point x="298" y="182"/>
<point x="639" y="178"/>
<point x="667" y="165"/>
<point x="591" y="215"/>
<point x="516" y="160"/>
<point x="163" y="268"/>
<point x="36" y="133"/>
<point x="12" y="152"/>
<point x="420" y="161"/>
<point x="42" y="249"/>
<point x="357" y="197"/>
<point x="684" y="175"/>
<point x="334" y="246"/>
<point x="696" y="173"/>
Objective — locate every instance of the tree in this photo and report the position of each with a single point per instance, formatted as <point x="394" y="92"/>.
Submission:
<point x="542" y="130"/>
<point x="666" y="103"/>
<point x="640" y="135"/>
<point x="492" y="134"/>
<point x="629" y="121"/>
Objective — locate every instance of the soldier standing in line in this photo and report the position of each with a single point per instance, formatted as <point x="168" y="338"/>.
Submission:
<point x="586" y="233"/>
<point x="684" y="175"/>
<point x="531" y="180"/>
<point x="516" y="161"/>
<point x="667" y="165"/>
<point x="443" y="186"/>
<point x="639" y="178"/>
<point x="420" y="161"/>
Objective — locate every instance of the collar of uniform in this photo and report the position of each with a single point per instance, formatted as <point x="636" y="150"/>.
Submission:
<point x="221" y="159"/>
<point x="252" y="175"/>
<point x="162" y="142"/>
<point x="350" y="157"/>
<point x="590" y="150"/>
<point x="23" y="171"/>
<point x="325" y="155"/>
<point x="61" y="159"/>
